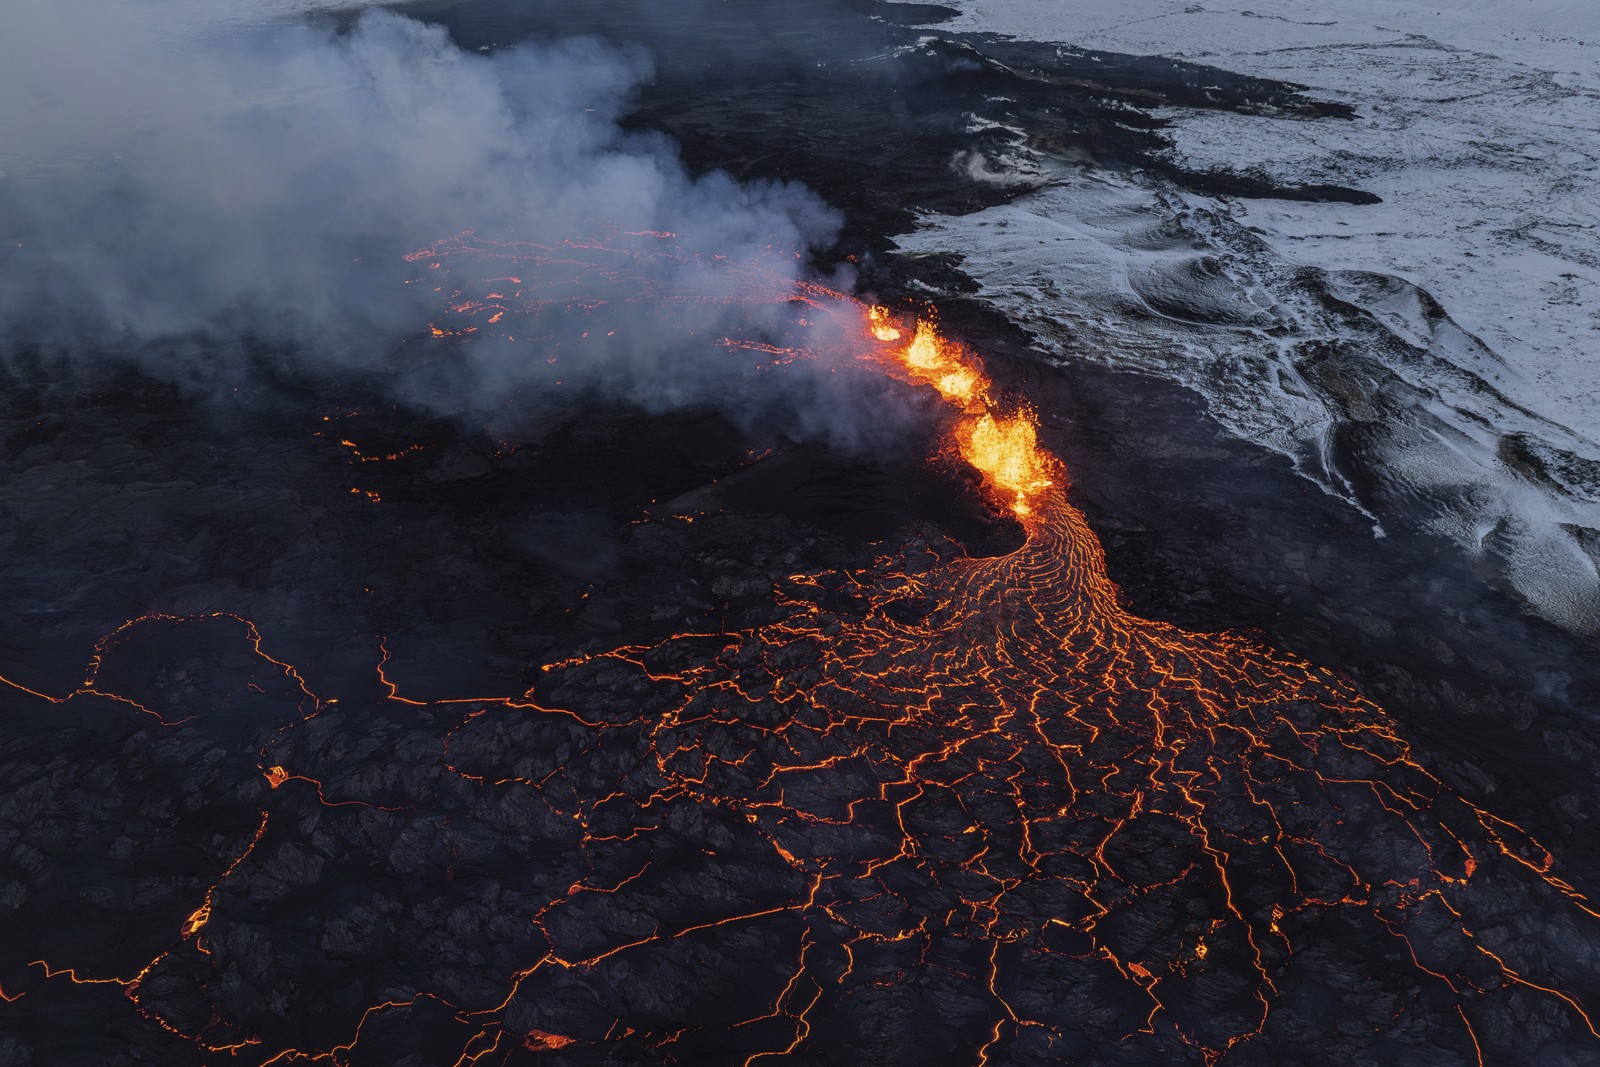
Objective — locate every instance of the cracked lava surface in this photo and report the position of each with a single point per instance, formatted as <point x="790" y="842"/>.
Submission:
<point x="943" y="809"/>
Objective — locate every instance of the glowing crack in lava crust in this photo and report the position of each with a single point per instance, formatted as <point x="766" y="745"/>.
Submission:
<point x="980" y="769"/>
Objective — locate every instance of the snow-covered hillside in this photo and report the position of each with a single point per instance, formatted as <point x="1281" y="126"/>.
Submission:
<point x="1450" y="335"/>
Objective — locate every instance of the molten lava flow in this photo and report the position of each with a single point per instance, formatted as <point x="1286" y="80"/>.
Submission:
<point x="982" y="776"/>
<point x="931" y="359"/>
<point x="880" y="326"/>
<point x="1006" y="452"/>
<point x="1004" y="449"/>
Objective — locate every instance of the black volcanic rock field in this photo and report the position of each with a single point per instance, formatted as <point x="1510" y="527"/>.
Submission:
<point x="599" y="729"/>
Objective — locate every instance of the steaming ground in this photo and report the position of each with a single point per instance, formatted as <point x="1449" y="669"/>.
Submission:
<point x="1427" y="358"/>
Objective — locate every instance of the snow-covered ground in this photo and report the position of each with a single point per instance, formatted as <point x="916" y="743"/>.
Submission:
<point x="1478" y="123"/>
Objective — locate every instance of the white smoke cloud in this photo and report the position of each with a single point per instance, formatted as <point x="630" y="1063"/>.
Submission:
<point x="173" y="175"/>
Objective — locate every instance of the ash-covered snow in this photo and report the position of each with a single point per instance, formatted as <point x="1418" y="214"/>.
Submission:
<point x="1434" y="358"/>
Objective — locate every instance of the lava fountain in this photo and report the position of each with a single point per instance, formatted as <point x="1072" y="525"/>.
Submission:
<point x="1194" y="806"/>
<point x="982" y="777"/>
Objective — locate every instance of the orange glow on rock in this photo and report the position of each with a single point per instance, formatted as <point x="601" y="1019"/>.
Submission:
<point x="1017" y="724"/>
<point x="198" y="919"/>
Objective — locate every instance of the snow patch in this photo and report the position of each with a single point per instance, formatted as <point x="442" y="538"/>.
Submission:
<point x="1464" y="358"/>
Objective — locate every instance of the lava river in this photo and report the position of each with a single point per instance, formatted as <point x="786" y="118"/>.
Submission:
<point x="978" y="804"/>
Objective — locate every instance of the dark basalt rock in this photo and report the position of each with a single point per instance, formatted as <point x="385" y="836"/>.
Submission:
<point x="379" y="826"/>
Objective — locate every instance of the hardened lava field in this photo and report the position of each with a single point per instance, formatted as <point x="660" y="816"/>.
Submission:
<point x="945" y="808"/>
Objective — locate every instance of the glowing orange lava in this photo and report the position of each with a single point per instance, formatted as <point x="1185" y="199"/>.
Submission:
<point x="981" y="767"/>
<point x="880" y="326"/>
<point x="1003" y="448"/>
<point x="949" y="369"/>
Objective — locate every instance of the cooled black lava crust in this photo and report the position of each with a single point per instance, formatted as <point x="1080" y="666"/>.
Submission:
<point x="401" y="853"/>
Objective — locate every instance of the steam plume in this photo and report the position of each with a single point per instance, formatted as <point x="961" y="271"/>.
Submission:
<point x="265" y="181"/>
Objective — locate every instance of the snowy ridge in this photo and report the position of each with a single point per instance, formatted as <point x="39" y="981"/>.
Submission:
<point x="1433" y="359"/>
<point x="1359" y="377"/>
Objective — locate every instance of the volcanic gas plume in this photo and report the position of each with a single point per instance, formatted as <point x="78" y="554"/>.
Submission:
<point x="978" y="775"/>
